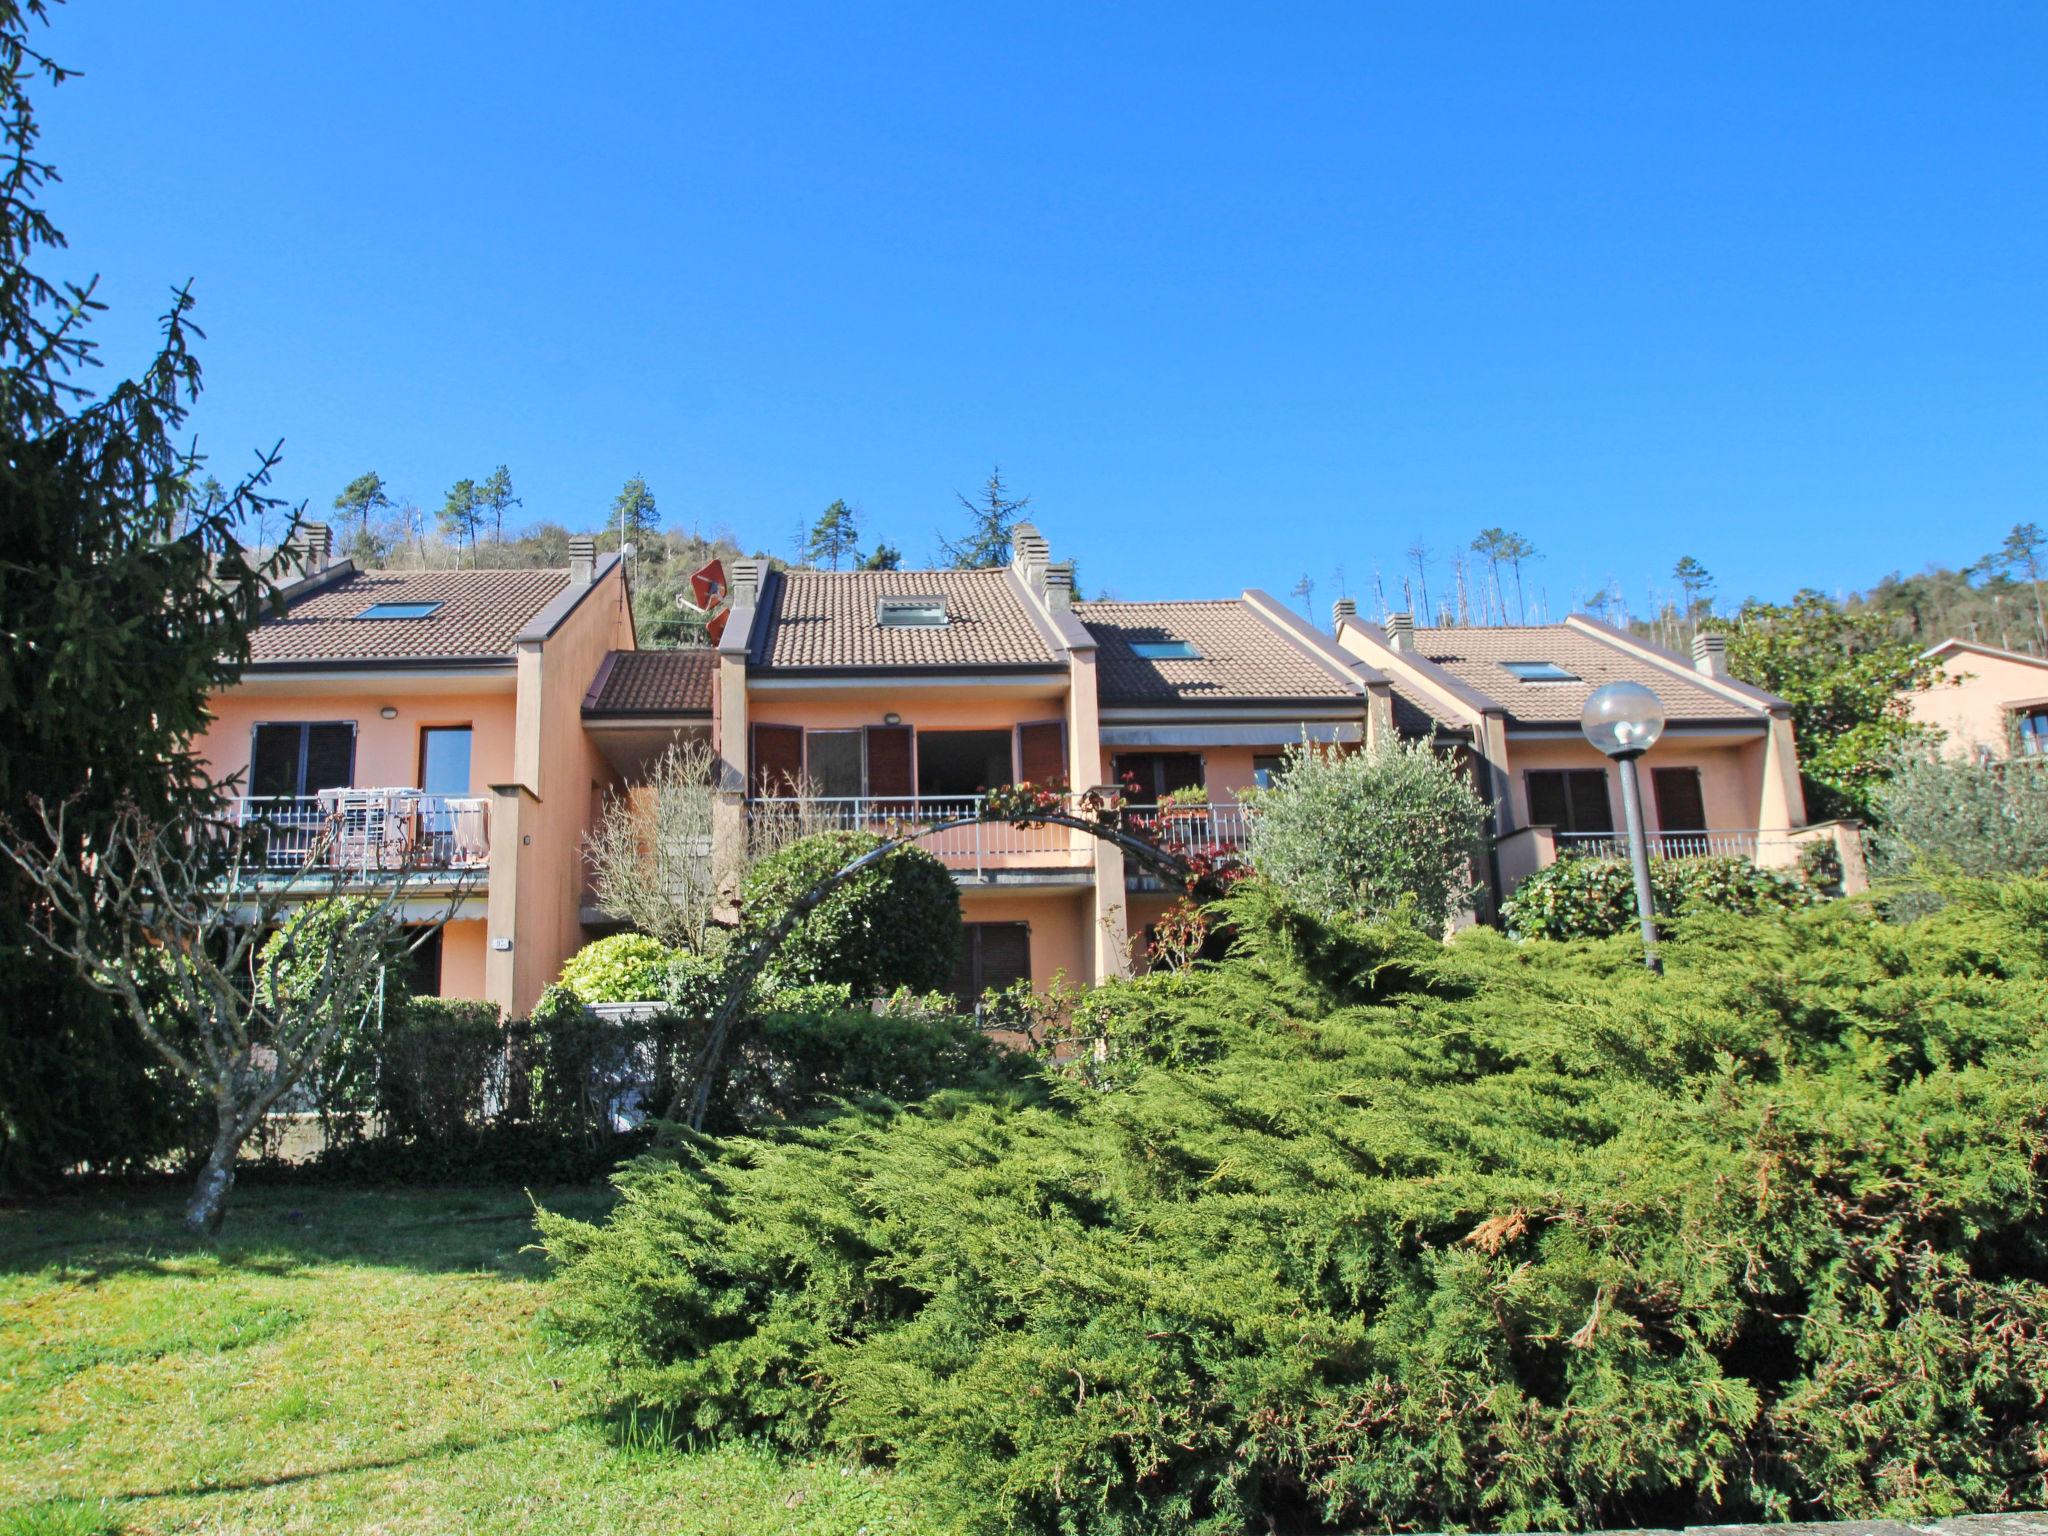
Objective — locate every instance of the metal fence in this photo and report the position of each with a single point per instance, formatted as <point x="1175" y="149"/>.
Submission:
<point x="368" y="829"/>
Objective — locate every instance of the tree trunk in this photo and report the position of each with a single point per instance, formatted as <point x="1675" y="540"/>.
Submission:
<point x="208" y="1207"/>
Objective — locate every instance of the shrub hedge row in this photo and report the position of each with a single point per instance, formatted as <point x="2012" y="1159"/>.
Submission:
<point x="1586" y="898"/>
<point x="1355" y="1229"/>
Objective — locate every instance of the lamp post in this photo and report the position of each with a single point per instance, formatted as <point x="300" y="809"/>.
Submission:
<point x="1624" y="721"/>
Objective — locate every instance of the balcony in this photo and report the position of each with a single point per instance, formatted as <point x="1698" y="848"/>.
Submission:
<point x="368" y="832"/>
<point x="1191" y="831"/>
<point x="982" y="850"/>
<point x="1744" y="844"/>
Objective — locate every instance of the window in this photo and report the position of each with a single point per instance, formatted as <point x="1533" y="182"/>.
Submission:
<point x="910" y="612"/>
<point x="2030" y="732"/>
<point x="1681" y="804"/>
<point x="444" y="760"/>
<point x="444" y="772"/>
<point x="1165" y="650"/>
<point x="1570" y="800"/>
<point x="962" y="762"/>
<point x="832" y="761"/>
<point x="1540" y="672"/>
<point x="419" y="969"/>
<point x="302" y="757"/>
<point x="1266" y="771"/>
<point x="1157" y="774"/>
<point x="992" y="955"/>
<point x="400" y="611"/>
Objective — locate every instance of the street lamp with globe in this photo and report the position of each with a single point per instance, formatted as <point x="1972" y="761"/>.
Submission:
<point x="1624" y="721"/>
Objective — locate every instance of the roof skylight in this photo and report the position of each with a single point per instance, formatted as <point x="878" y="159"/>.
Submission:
<point x="910" y="612"/>
<point x="1541" y="672"/>
<point x="400" y="611"/>
<point x="1165" y="650"/>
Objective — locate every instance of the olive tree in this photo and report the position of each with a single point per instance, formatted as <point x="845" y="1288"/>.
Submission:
<point x="178" y="920"/>
<point x="657" y="863"/>
<point x="1964" y="816"/>
<point x="1391" y="830"/>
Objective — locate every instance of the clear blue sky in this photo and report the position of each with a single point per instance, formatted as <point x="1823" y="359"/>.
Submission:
<point x="1233" y="294"/>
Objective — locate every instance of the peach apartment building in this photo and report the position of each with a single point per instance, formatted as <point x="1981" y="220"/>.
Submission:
<point x="482" y="716"/>
<point x="437" y="717"/>
<point x="1987" y="701"/>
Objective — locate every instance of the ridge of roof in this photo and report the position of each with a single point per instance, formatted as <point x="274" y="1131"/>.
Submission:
<point x="1745" y="692"/>
<point x="1354" y="670"/>
<point x="1435" y="676"/>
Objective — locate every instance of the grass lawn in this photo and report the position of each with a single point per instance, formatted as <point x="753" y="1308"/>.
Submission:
<point x="345" y="1360"/>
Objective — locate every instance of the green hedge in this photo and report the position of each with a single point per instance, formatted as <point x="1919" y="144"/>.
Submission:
<point x="894" y="925"/>
<point x="1583" y="898"/>
<point x="620" y="968"/>
<point x="1359" y="1230"/>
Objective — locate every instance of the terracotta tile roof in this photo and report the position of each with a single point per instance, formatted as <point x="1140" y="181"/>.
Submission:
<point x="653" y="683"/>
<point x="1473" y="655"/>
<point x="1243" y="657"/>
<point x="480" y="614"/>
<point x="1414" y="717"/>
<point x="827" y="619"/>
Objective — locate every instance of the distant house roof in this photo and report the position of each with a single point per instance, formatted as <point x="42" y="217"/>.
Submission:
<point x="1237" y="655"/>
<point x="828" y="621"/>
<point x="1974" y="649"/>
<point x="643" y="683"/>
<point x="1477" y="656"/>
<point x="473" y="614"/>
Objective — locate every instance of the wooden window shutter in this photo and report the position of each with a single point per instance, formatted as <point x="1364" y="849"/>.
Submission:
<point x="1042" y="752"/>
<point x="1591" y="809"/>
<point x="1005" y="954"/>
<point x="778" y="760"/>
<point x="890" y="763"/>
<point x="1547" y="804"/>
<point x="1681" y="806"/>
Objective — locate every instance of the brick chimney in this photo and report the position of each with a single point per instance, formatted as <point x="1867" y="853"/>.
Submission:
<point x="1343" y="609"/>
<point x="582" y="560"/>
<point x="1401" y="632"/>
<point x="1710" y="655"/>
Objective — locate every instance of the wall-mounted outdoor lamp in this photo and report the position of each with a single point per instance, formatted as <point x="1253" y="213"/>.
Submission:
<point x="892" y="718"/>
<point x="389" y="711"/>
<point x="1624" y="721"/>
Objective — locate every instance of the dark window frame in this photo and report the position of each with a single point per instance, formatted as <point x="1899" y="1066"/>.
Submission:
<point x="1570" y="823"/>
<point x="972" y="974"/>
<point x="1155" y="791"/>
<point x="305" y="730"/>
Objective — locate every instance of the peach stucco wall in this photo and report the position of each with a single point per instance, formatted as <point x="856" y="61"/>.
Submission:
<point x="560" y="778"/>
<point x="1061" y="923"/>
<point x="387" y="751"/>
<point x="1731" y="777"/>
<point x="1972" y="703"/>
<point x="463" y="947"/>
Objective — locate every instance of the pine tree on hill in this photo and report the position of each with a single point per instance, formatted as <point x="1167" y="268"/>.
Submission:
<point x="992" y="525"/>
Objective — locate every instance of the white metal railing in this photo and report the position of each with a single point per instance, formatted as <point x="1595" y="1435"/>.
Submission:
<point x="368" y="829"/>
<point x="1189" y="830"/>
<point x="976" y="846"/>
<point x="1741" y="844"/>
